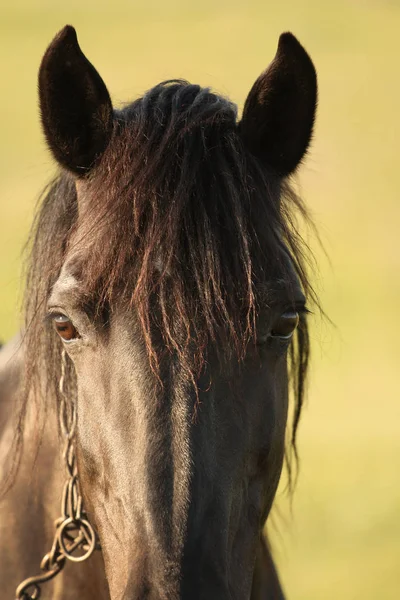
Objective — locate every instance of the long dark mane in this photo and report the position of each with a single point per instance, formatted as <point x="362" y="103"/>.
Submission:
<point x="181" y="223"/>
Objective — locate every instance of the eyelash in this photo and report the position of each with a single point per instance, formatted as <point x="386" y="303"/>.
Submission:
<point x="301" y="309"/>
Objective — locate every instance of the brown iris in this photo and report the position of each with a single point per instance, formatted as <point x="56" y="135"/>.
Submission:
<point x="286" y="324"/>
<point x="65" y="328"/>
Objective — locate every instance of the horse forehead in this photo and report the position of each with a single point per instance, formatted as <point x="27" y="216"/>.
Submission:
<point x="67" y="280"/>
<point x="66" y="285"/>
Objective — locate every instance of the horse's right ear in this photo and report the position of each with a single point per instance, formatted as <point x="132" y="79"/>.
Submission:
<point x="75" y="105"/>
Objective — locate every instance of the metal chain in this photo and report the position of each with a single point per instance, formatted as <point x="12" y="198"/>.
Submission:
<point x="74" y="539"/>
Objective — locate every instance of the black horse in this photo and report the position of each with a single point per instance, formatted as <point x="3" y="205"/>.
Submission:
<point x="165" y="318"/>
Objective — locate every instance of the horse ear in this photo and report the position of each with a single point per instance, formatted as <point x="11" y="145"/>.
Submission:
<point x="279" y="112"/>
<point x="75" y="105"/>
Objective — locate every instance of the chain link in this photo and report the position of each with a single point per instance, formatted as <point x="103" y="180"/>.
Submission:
<point x="74" y="539"/>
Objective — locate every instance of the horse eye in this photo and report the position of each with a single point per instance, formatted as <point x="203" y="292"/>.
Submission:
<point x="65" y="328"/>
<point x="286" y="325"/>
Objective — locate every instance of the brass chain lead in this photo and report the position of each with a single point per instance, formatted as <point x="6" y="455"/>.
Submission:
<point x="74" y="538"/>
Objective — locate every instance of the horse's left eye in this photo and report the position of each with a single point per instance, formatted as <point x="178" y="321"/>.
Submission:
<point x="286" y="325"/>
<point x="65" y="328"/>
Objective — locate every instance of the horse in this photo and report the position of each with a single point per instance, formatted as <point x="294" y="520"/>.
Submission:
<point x="166" y="305"/>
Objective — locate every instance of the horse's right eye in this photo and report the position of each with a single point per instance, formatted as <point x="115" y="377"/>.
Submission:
<point x="65" y="328"/>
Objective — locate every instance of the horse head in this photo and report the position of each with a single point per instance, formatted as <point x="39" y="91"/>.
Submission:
<point x="175" y="284"/>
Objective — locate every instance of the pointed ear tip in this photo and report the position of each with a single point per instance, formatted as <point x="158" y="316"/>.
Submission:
<point x="289" y="46"/>
<point x="287" y="38"/>
<point x="289" y="42"/>
<point x="65" y="40"/>
<point x="66" y="34"/>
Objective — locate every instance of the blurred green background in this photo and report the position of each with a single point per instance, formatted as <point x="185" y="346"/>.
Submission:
<point x="342" y="539"/>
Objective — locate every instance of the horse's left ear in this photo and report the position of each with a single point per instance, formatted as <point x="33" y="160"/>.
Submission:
<point x="75" y="105"/>
<point x="279" y="112"/>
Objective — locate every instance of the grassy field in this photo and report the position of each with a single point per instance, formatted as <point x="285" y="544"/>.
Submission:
<point x="343" y="537"/>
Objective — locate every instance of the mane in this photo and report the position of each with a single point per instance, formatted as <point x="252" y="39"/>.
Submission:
<point x="178" y="209"/>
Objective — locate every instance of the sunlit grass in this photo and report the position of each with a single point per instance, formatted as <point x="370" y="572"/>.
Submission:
<point x="343" y="540"/>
